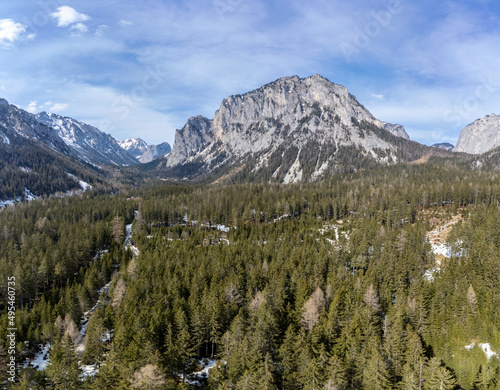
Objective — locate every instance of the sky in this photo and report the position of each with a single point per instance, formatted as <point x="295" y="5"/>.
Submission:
<point x="141" y="68"/>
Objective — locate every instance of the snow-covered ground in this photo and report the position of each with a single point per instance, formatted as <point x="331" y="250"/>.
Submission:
<point x="128" y="238"/>
<point x="195" y="377"/>
<point x="486" y="347"/>
<point x="28" y="196"/>
<point x="41" y="358"/>
<point x="440" y="248"/>
<point x="336" y="228"/>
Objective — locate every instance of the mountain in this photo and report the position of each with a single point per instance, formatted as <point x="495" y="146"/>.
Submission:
<point x="444" y="146"/>
<point x="17" y="124"/>
<point x="86" y="141"/>
<point x="34" y="161"/>
<point x="143" y="152"/>
<point x="397" y="130"/>
<point x="480" y="136"/>
<point x="289" y="130"/>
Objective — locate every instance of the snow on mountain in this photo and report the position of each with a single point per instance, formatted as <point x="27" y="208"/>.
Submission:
<point x="143" y="152"/>
<point x="86" y="141"/>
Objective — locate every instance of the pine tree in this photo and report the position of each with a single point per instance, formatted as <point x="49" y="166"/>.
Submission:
<point x="336" y="375"/>
<point x="438" y="377"/>
<point x="63" y="369"/>
<point x="375" y="374"/>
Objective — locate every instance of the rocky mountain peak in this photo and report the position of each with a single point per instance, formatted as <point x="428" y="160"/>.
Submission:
<point x="299" y="116"/>
<point x="3" y="102"/>
<point x="480" y="136"/>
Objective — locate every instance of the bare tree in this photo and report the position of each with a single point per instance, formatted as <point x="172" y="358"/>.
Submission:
<point x="148" y="377"/>
<point x="471" y="296"/>
<point x="257" y="301"/>
<point x="371" y="298"/>
<point x="119" y="292"/>
<point x="312" y="309"/>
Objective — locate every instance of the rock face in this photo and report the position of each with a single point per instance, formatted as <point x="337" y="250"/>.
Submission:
<point x="288" y="130"/>
<point x="480" y="136"/>
<point x="86" y="141"/>
<point x="143" y="152"/>
<point x="154" y="151"/>
<point x="397" y="130"/>
<point x="17" y="124"/>
<point x="444" y="146"/>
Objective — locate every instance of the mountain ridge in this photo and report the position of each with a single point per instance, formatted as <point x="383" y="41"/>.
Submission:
<point x="285" y="118"/>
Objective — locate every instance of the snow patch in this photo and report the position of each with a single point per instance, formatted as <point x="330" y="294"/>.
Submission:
<point x="41" y="358"/>
<point x="85" y="186"/>
<point x="486" y="347"/>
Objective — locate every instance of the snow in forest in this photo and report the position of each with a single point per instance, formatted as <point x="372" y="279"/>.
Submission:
<point x="41" y="358"/>
<point x="486" y="347"/>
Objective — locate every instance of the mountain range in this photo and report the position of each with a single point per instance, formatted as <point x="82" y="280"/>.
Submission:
<point x="290" y="130"/>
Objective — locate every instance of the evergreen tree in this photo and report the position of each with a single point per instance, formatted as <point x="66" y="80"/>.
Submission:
<point x="63" y="370"/>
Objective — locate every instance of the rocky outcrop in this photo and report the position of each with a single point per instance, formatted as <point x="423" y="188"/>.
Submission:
<point x="397" y="130"/>
<point x="154" y="151"/>
<point x="299" y="127"/>
<point x="480" y="136"/>
<point x="443" y="145"/>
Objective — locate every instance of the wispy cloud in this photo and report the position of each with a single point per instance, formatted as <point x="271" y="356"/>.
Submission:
<point x="79" y="28"/>
<point x="58" y="107"/>
<point x="125" y="23"/>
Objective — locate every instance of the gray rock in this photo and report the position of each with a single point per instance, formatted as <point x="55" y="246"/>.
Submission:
<point x="480" y="136"/>
<point x="287" y="113"/>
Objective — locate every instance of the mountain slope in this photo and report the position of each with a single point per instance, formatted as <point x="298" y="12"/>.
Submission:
<point x="17" y="124"/>
<point x="480" y="136"/>
<point x="34" y="161"/>
<point x="86" y="141"/>
<point x="142" y="152"/>
<point x="287" y="131"/>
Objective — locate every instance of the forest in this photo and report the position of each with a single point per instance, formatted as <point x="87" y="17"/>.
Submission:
<point x="328" y="285"/>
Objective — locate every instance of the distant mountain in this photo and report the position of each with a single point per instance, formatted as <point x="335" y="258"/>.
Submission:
<point x="16" y="124"/>
<point x="86" y="141"/>
<point x="444" y="146"/>
<point x="480" y="136"/>
<point x="289" y="130"/>
<point x="397" y="130"/>
<point x="143" y="152"/>
<point x="34" y="161"/>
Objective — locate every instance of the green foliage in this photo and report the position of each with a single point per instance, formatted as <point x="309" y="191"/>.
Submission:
<point x="311" y="286"/>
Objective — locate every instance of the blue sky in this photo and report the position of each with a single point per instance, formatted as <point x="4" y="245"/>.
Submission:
<point x="141" y="68"/>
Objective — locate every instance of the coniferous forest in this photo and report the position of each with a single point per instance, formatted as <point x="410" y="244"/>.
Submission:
<point x="331" y="285"/>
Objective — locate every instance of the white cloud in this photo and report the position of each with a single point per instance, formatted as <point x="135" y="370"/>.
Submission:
<point x="58" y="107"/>
<point x="32" y="107"/>
<point x="377" y="96"/>
<point x="67" y="16"/>
<point x="126" y="23"/>
<point x="11" y="31"/>
<point x="79" y="28"/>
